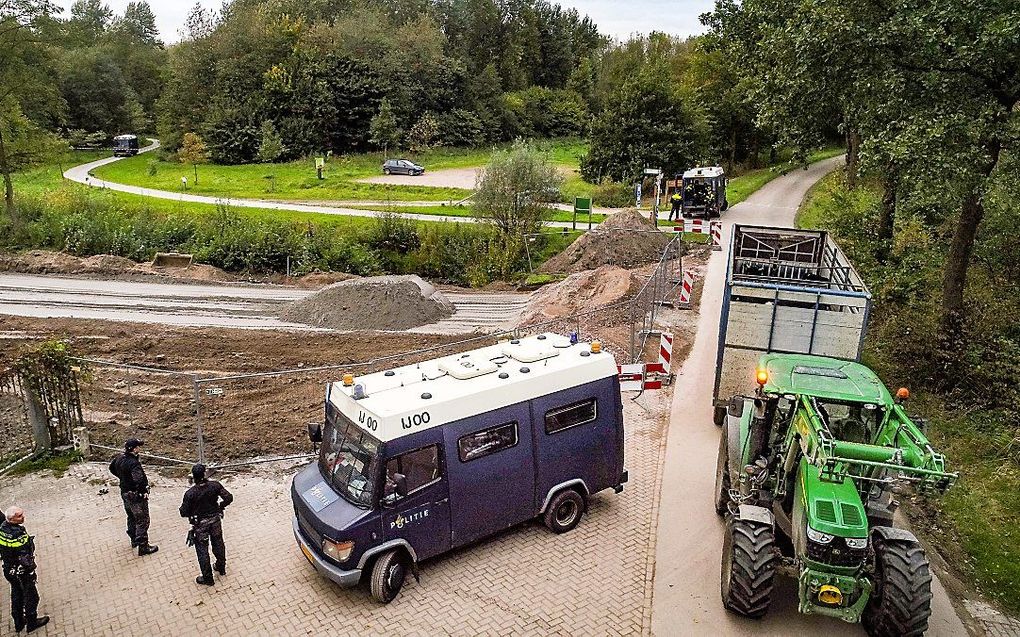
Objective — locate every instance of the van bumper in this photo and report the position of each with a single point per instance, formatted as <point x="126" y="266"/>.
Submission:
<point x="347" y="579"/>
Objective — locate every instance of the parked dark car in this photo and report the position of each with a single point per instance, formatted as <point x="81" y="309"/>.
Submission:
<point x="401" y="167"/>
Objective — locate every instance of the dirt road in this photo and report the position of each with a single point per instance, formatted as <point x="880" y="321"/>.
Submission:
<point x="185" y="305"/>
<point x="690" y="534"/>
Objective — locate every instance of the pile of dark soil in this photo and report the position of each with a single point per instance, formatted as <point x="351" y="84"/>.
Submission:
<point x="372" y="303"/>
<point x="626" y="239"/>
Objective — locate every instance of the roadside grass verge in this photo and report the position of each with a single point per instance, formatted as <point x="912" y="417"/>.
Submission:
<point x="465" y="211"/>
<point x="974" y="526"/>
<point x="56" y="463"/>
<point x="743" y="186"/>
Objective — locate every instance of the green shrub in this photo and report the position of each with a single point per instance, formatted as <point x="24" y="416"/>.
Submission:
<point x="613" y="194"/>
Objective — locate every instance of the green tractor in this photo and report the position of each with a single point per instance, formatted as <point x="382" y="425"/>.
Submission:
<point x="807" y="473"/>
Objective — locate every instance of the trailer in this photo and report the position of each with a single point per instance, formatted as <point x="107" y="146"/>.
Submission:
<point x="787" y="291"/>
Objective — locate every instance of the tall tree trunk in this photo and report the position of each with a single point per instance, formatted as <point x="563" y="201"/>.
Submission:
<point x="754" y="150"/>
<point x="887" y="212"/>
<point x="853" y="155"/>
<point x="954" y="278"/>
<point x="5" y="169"/>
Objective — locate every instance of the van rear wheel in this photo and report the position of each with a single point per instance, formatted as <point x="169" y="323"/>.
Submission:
<point x="564" y="512"/>
<point x="388" y="574"/>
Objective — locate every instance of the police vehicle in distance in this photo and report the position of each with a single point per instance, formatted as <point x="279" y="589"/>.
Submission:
<point x="704" y="192"/>
<point x="422" y="459"/>
<point x="125" y="145"/>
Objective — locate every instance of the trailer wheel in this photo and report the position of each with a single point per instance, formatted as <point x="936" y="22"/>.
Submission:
<point x="388" y="575"/>
<point x="564" y="512"/>
<point x="900" y="603"/>
<point x="748" y="567"/>
<point x="722" y="475"/>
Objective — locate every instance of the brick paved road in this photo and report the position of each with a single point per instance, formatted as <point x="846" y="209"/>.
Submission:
<point x="595" y="580"/>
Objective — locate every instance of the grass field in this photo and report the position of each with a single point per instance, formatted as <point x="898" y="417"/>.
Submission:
<point x="297" y="181"/>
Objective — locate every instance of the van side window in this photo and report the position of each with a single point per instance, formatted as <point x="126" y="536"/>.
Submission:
<point x="569" y="416"/>
<point x="419" y="467"/>
<point x="487" y="441"/>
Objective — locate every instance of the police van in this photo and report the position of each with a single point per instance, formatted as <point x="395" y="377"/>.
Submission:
<point x="422" y="459"/>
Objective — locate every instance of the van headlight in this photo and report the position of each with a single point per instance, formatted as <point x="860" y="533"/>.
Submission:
<point x="818" y="536"/>
<point x="857" y="543"/>
<point x="337" y="551"/>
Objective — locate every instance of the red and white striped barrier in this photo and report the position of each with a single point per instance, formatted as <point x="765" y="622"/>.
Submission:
<point x="703" y="226"/>
<point x="686" y="290"/>
<point x="632" y="377"/>
<point x="695" y="226"/>
<point x="642" y="376"/>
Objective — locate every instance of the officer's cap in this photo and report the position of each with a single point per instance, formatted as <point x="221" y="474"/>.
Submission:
<point x="132" y="443"/>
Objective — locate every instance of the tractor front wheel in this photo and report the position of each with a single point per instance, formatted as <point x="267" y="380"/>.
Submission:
<point x="900" y="603"/>
<point x="748" y="567"/>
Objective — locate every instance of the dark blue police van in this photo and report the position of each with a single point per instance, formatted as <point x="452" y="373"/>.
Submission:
<point x="422" y="459"/>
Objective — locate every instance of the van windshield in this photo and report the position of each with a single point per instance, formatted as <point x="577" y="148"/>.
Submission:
<point x="348" y="459"/>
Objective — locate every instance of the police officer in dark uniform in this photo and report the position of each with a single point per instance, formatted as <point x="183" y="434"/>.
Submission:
<point x="203" y="505"/>
<point x="134" y="490"/>
<point x="17" y="553"/>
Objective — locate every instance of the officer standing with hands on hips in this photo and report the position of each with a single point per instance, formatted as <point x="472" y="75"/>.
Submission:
<point x="134" y="490"/>
<point x="203" y="505"/>
<point x="17" y="553"/>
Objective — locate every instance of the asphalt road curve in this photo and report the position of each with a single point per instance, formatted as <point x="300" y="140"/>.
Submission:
<point x="690" y="534"/>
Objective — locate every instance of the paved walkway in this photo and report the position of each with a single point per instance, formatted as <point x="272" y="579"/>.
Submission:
<point x="82" y="174"/>
<point x="595" y="580"/>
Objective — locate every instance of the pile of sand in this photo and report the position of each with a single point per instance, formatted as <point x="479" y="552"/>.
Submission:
<point x="579" y="292"/>
<point x="372" y="303"/>
<point x="613" y="242"/>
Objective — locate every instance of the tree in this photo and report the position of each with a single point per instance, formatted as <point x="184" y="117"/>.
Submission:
<point x="193" y="151"/>
<point x="26" y="92"/>
<point x="139" y="22"/>
<point x="383" y="128"/>
<point x="89" y="21"/>
<point x="423" y="133"/>
<point x="514" y="190"/>
<point x="647" y="123"/>
<point x="926" y="88"/>
<point x="271" y="147"/>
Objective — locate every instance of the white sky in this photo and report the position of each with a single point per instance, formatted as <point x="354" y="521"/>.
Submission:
<point x="617" y="18"/>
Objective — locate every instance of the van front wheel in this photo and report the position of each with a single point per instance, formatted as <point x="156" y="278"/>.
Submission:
<point x="388" y="575"/>
<point x="564" y="511"/>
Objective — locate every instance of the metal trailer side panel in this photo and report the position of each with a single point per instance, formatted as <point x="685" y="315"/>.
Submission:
<point x="825" y="315"/>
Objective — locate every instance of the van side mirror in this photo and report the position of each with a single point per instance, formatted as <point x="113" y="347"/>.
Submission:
<point x="400" y="482"/>
<point x="315" y="432"/>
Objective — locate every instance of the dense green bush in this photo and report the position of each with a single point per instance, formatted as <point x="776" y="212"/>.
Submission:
<point x="905" y="338"/>
<point x="85" y="223"/>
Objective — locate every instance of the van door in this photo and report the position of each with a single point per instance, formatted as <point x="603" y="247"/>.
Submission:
<point x="422" y="515"/>
<point x="492" y="472"/>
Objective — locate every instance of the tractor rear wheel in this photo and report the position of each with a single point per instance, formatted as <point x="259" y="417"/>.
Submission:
<point x="748" y="567"/>
<point x="900" y="603"/>
<point x="722" y="475"/>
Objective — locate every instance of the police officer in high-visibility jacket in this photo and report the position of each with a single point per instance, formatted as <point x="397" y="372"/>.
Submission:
<point x="17" y="554"/>
<point x="203" y="505"/>
<point x="675" y="201"/>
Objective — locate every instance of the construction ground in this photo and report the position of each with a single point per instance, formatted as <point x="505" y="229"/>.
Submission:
<point x="642" y="562"/>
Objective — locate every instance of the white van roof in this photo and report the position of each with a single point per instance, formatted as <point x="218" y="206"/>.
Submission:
<point x="707" y="171"/>
<point x="407" y="399"/>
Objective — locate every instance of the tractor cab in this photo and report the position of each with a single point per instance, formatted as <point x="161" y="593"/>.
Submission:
<point x="703" y="192"/>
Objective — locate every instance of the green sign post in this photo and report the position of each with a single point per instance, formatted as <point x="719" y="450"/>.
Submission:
<point x="582" y="205"/>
